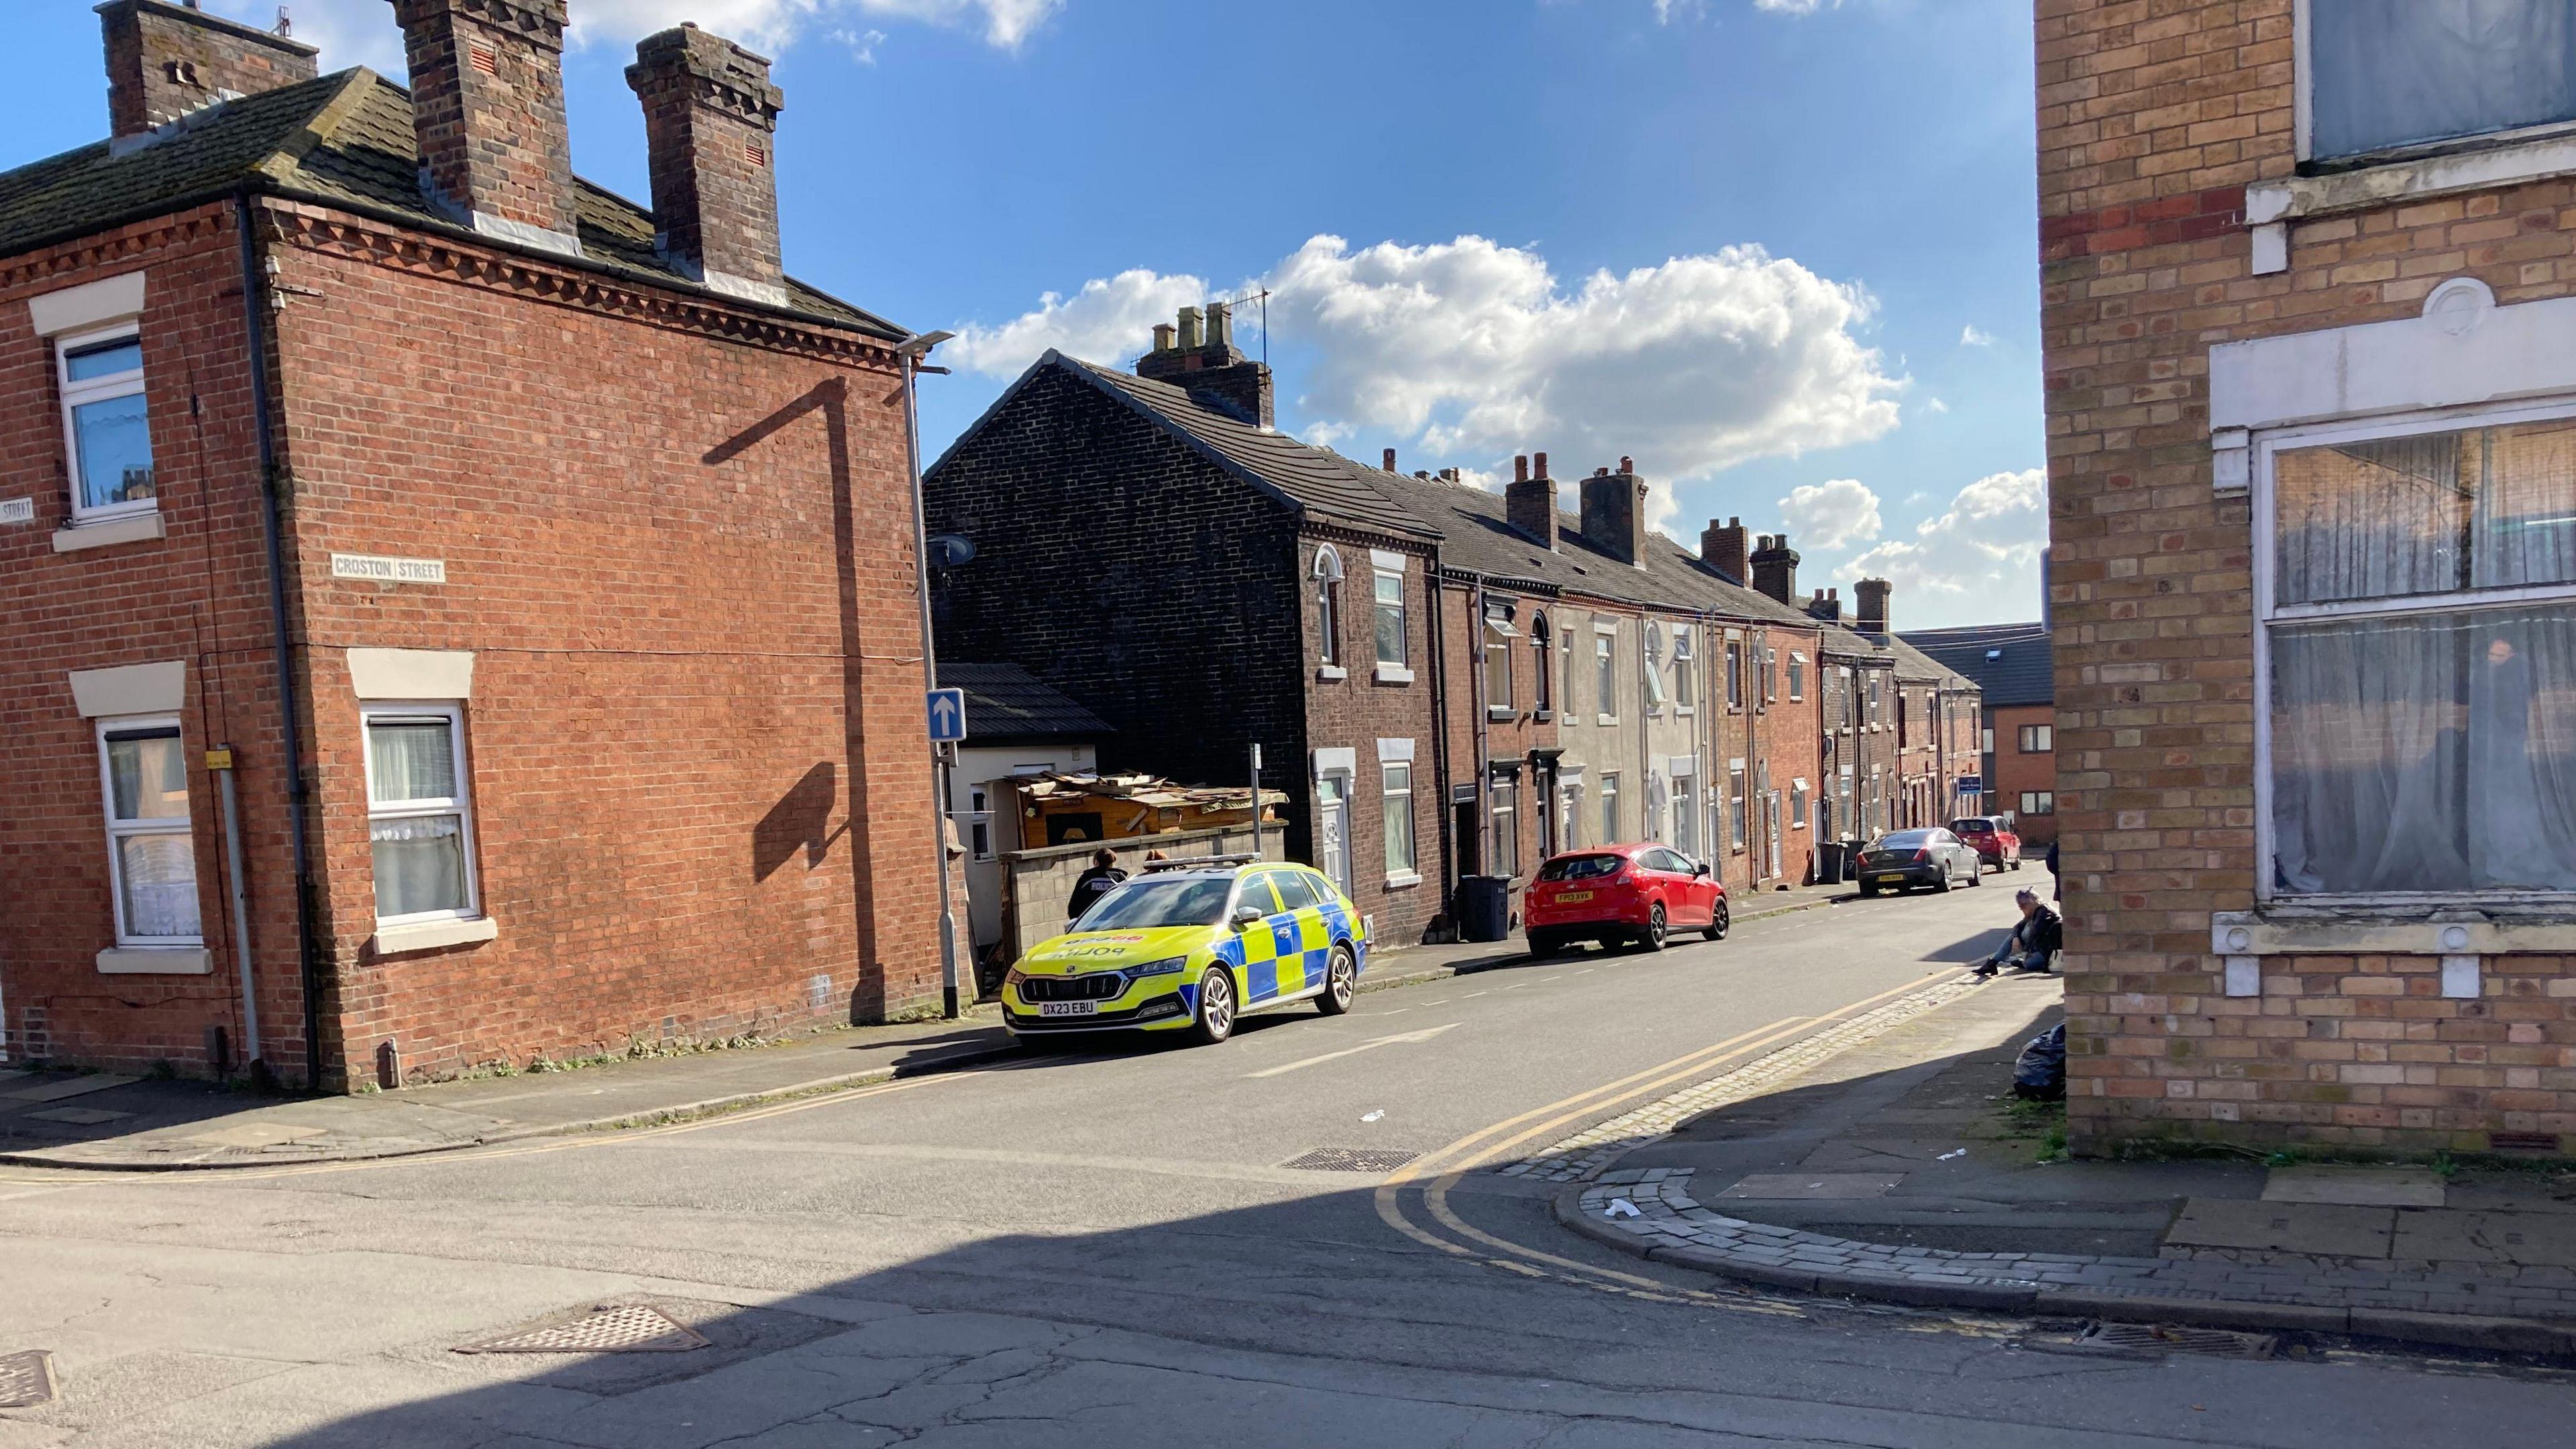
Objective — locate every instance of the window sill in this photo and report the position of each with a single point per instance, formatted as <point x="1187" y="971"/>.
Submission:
<point x="2415" y="179"/>
<point x="1331" y="673"/>
<point x="1394" y="674"/>
<point x="431" y="935"/>
<point x="1686" y="711"/>
<point x="1501" y="712"/>
<point x="1403" y="879"/>
<point x="133" y="528"/>
<point x="156" y="961"/>
<point x="1543" y="716"/>
<point x="1607" y="719"/>
<point x="2359" y="928"/>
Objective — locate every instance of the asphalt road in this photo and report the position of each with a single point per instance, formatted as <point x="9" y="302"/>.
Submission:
<point x="1105" y="1248"/>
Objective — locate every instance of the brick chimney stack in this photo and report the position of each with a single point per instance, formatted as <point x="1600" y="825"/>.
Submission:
<point x="1529" y="503"/>
<point x="1870" y="599"/>
<point x="487" y="105"/>
<point x="1826" y="605"/>
<point x="1721" y="547"/>
<point x="709" y="113"/>
<point x="1386" y="467"/>
<point x="1775" y="569"/>
<point x="1202" y="359"/>
<point x="1614" y="513"/>
<point x="164" y="61"/>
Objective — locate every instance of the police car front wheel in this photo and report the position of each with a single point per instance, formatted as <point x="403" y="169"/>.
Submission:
<point x="1341" y="983"/>
<point x="1216" y="1007"/>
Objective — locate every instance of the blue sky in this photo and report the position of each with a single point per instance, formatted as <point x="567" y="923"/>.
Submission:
<point x="1781" y="251"/>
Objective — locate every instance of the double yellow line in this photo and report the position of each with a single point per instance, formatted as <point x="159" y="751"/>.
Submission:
<point x="1444" y="1167"/>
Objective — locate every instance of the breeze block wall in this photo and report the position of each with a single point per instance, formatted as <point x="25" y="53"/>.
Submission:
<point x="678" y="542"/>
<point x="2152" y="122"/>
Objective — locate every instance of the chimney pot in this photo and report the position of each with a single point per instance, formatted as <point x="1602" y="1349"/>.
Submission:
<point x="164" y="61"/>
<point x="1520" y="468"/>
<point x="709" y="112"/>
<point x="1614" y="515"/>
<point x="487" y="105"/>
<point x="1389" y="464"/>
<point x="1627" y="464"/>
<point x="1202" y="360"/>
<point x="1721" y="546"/>
<point x="1538" y="464"/>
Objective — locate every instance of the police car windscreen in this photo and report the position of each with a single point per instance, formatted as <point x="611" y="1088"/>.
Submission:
<point x="1162" y="902"/>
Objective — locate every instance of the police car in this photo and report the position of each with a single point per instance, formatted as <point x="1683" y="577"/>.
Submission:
<point x="1193" y="946"/>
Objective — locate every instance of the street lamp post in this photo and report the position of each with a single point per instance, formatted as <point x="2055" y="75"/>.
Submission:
<point x="912" y="350"/>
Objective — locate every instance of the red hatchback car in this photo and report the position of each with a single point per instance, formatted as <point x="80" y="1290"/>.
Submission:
<point x="1635" y="894"/>
<point x="1993" y="839"/>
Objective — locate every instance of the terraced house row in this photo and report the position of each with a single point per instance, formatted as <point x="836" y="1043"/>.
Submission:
<point x="1449" y="682"/>
<point x="456" y="614"/>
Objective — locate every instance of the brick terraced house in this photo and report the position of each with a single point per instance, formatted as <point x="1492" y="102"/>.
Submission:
<point x="2017" y="738"/>
<point x="1449" y="682"/>
<point x="2309" y="308"/>
<point x="458" y="615"/>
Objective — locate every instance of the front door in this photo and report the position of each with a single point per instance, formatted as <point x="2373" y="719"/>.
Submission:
<point x="1333" y="830"/>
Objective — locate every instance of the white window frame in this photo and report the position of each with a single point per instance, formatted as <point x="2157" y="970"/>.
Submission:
<point x="1650" y="669"/>
<point x="1498" y="637"/>
<point x="1328" y="605"/>
<point x="1605" y="670"/>
<point x="461" y="806"/>
<point x="1685" y="818"/>
<point x="2267" y="445"/>
<point x="1610" y="808"/>
<point x="979" y="822"/>
<point x="1736" y="834"/>
<point x="1798" y="804"/>
<point x="1388" y="790"/>
<point x="1378" y="605"/>
<point x="1797" y="675"/>
<point x="120" y="830"/>
<point x="95" y="390"/>
<point x="1542" y="681"/>
<point x="1685" y="672"/>
<point x="1502" y="814"/>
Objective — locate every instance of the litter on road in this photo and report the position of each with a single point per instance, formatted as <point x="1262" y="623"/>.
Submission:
<point x="1620" y="1207"/>
<point x="1373" y="1116"/>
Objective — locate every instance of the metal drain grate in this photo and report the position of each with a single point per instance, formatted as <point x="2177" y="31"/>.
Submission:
<point x="26" y="1379"/>
<point x="608" y="1328"/>
<point x="2523" y="1141"/>
<point x="2166" y="1338"/>
<point x="1351" y="1159"/>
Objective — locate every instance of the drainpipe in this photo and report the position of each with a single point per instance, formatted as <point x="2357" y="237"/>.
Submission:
<point x="290" y="738"/>
<point x="1440" y="741"/>
<point x="911" y="350"/>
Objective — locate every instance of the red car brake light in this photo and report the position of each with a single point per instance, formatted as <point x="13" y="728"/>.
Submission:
<point x="1923" y="855"/>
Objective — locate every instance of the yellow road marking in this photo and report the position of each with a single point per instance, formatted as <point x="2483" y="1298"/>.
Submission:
<point x="1476" y="1149"/>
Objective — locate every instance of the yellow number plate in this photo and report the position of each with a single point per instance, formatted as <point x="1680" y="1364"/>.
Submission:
<point x="1566" y="898"/>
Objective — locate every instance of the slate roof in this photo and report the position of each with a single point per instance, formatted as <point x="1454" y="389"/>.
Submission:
<point x="1468" y="522"/>
<point x="343" y="140"/>
<point x="2020" y="672"/>
<point x="1006" y="702"/>
<point x="1311" y="479"/>
<point x="1914" y="664"/>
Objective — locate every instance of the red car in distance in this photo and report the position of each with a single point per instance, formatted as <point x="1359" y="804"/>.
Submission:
<point x="1993" y="838"/>
<point x="1635" y="894"/>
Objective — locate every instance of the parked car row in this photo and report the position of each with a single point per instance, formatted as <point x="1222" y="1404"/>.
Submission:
<point x="1193" y="946"/>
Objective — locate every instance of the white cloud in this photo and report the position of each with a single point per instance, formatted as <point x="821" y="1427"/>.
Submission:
<point x="362" y="32"/>
<point x="1831" y="515"/>
<point x="1104" y="322"/>
<point x="1935" y="405"/>
<point x="1476" y="349"/>
<point x="1985" y="545"/>
<point x="1690" y="365"/>
<point x="1973" y="336"/>
<point x="1794" y="7"/>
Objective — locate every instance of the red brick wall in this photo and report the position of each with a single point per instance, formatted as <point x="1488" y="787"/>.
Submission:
<point x="1787" y="733"/>
<point x="683" y="562"/>
<point x="2016" y="772"/>
<point x="197" y="595"/>
<point x="2152" y="121"/>
<point x="1355" y="713"/>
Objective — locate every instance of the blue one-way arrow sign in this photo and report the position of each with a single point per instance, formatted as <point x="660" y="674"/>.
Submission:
<point x="947" y="716"/>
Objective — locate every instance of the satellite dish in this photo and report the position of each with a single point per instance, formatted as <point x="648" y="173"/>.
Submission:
<point x="949" y="550"/>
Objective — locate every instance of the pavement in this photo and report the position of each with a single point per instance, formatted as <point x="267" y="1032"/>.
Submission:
<point x="109" y="1122"/>
<point x="1901" y="1171"/>
<point x="1134" y="1245"/>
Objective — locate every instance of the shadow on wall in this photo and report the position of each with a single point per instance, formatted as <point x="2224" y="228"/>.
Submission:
<point x="801" y="820"/>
